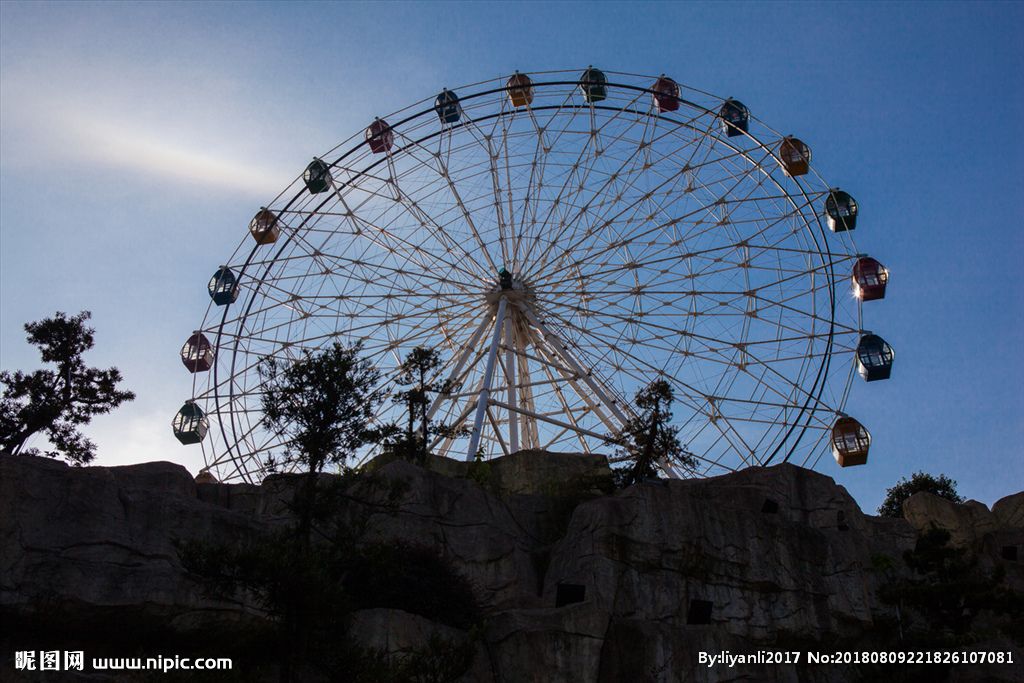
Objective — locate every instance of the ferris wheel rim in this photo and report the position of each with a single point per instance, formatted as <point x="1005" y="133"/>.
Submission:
<point x="821" y="248"/>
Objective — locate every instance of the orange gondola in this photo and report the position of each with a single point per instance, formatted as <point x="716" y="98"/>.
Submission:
<point x="795" y="156"/>
<point x="264" y="227"/>
<point x="850" y="442"/>
<point x="520" y="90"/>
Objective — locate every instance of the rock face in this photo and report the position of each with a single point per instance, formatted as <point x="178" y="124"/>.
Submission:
<point x="577" y="583"/>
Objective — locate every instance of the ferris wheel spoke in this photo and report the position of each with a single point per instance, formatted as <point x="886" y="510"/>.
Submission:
<point x="563" y="236"/>
<point x="439" y="232"/>
<point x="637" y="244"/>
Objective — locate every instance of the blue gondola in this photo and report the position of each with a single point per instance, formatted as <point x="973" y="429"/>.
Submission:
<point x="593" y="85"/>
<point x="190" y="424"/>
<point x="223" y="287"/>
<point x="447" y="106"/>
<point x="317" y="176"/>
<point x="874" y="358"/>
<point x="841" y="210"/>
<point x="735" y="117"/>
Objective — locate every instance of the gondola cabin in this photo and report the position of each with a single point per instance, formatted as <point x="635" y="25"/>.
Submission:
<point x="190" y="424"/>
<point x="223" y="287"/>
<point x="850" y="442"/>
<point x="264" y="227"/>
<point x="447" y="107"/>
<point x="665" y="93"/>
<point x="794" y="156"/>
<point x="735" y="117"/>
<point x="869" y="279"/>
<point x="379" y="136"/>
<point x="520" y="90"/>
<point x="197" y="353"/>
<point x="317" y="176"/>
<point x="841" y="210"/>
<point x="593" y="85"/>
<point x="874" y="358"/>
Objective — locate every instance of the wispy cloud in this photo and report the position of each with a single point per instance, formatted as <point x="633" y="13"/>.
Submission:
<point x="176" y="139"/>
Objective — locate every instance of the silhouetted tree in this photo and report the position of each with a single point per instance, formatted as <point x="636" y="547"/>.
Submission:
<point x="322" y="404"/>
<point x="941" y="486"/>
<point x="311" y="575"/>
<point x="412" y="442"/>
<point x="648" y="438"/>
<point x="57" y="402"/>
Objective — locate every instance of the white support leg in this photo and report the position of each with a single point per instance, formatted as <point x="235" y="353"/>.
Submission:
<point x="468" y="351"/>
<point x="554" y="342"/>
<point x="510" y="371"/>
<point x="485" y="386"/>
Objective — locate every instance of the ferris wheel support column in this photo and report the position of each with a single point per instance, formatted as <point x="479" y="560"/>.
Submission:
<point x="469" y="350"/>
<point x="485" y="385"/>
<point x="510" y="370"/>
<point x="560" y="348"/>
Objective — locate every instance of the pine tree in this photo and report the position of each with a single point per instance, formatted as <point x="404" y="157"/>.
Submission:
<point x="57" y="402"/>
<point x="413" y="442"/>
<point x="649" y="439"/>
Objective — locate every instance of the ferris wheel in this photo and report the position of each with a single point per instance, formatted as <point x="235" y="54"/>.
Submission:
<point x="561" y="240"/>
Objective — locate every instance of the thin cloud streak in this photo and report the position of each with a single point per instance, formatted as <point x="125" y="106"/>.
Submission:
<point x="43" y="129"/>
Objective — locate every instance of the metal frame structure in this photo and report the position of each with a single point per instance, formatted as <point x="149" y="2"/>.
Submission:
<point x="560" y="256"/>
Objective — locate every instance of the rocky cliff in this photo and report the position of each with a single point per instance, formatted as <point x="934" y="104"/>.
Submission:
<point x="576" y="582"/>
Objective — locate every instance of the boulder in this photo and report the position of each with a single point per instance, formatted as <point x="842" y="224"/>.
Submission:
<point x="1010" y="510"/>
<point x="967" y="523"/>
<point x="576" y="583"/>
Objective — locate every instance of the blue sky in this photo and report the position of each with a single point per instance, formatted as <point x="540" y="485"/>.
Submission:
<point x="136" y="140"/>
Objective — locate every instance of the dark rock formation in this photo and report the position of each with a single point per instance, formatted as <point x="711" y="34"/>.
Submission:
<point x="578" y="583"/>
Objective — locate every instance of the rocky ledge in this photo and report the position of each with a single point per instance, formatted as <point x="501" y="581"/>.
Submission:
<point x="577" y="582"/>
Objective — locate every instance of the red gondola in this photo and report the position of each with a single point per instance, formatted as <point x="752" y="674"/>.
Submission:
<point x="379" y="136"/>
<point x="197" y="353"/>
<point x="666" y="94"/>
<point x="520" y="90"/>
<point x="795" y="156"/>
<point x="264" y="227"/>
<point x="869" y="279"/>
<point x="850" y="442"/>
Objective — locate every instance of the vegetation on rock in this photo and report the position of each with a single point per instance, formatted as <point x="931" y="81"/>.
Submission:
<point x="412" y="441"/>
<point x="58" y="402"/>
<point x="311" y="575"/>
<point x="648" y="440"/>
<point x="941" y="486"/>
